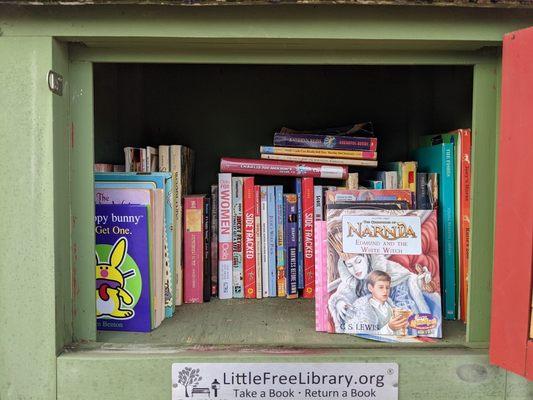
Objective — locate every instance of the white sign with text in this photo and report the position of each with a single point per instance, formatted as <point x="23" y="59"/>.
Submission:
<point x="300" y="381"/>
<point x="381" y="234"/>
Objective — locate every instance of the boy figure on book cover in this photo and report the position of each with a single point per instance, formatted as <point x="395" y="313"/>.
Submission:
<point x="376" y="312"/>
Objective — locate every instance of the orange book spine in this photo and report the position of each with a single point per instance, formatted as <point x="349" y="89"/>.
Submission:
<point x="464" y="224"/>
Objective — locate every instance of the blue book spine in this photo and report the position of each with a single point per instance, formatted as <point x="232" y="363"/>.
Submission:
<point x="280" y="258"/>
<point x="272" y="246"/>
<point x="439" y="159"/>
<point x="447" y="216"/>
<point x="291" y="244"/>
<point x="300" y="260"/>
<point x="123" y="300"/>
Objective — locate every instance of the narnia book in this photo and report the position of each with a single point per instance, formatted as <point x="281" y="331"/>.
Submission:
<point x="383" y="273"/>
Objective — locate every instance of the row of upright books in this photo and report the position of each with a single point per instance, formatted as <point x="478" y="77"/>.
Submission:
<point x="257" y="233"/>
<point x="139" y="236"/>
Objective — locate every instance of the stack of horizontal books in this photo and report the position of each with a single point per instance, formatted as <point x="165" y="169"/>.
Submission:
<point x="353" y="145"/>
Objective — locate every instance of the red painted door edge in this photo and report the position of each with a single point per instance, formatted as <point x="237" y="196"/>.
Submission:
<point x="511" y="298"/>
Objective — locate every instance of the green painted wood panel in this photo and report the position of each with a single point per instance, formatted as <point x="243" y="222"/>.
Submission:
<point x="61" y="142"/>
<point x="27" y="232"/>
<point x="82" y="201"/>
<point x="484" y="139"/>
<point x="325" y="22"/>
<point x="435" y="374"/>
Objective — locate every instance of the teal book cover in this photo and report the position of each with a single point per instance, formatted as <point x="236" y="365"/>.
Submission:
<point x="440" y="159"/>
<point x="157" y="180"/>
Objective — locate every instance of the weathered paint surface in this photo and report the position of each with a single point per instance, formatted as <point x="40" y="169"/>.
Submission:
<point x="82" y="201"/>
<point x="32" y="318"/>
<point x="484" y="138"/>
<point x="27" y="232"/>
<point x="441" y="3"/>
<point x="281" y="22"/>
<point x="461" y="374"/>
<point x="514" y="229"/>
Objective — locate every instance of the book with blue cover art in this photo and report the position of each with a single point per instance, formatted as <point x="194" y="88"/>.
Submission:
<point x="439" y="159"/>
<point x="272" y="241"/>
<point x="123" y="300"/>
<point x="159" y="180"/>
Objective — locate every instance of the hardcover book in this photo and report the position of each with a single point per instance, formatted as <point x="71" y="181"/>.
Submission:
<point x="123" y="300"/>
<point x="439" y="159"/>
<point x="462" y="141"/>
<point x="383" y="273"/>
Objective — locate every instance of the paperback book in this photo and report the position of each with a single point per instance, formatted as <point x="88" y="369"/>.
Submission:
<point x="383" y="273"/>
<point x="123" y="300"/>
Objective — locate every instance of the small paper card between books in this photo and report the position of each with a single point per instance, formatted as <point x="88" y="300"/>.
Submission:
<point x="383" y="273"/>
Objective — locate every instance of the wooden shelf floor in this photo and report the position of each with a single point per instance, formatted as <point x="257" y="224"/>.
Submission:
<point x="260" y="323"/>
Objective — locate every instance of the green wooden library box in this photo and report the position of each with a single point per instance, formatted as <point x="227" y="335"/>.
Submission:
<point x="81" y="81"/>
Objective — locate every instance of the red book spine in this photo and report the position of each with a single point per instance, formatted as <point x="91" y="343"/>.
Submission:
<point x="464" y="223"/>
<point x="308" y="215"/>
<point x="193" y="243"/>
<point x="248" y="238"/>
<point x="282" y="168"/>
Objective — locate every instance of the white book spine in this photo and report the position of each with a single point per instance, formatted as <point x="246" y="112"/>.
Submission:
<point x="164" y="158"/>
<point x="225" y="239"/>
<point x="319" y="203"/>
<point x="264" y="240"/>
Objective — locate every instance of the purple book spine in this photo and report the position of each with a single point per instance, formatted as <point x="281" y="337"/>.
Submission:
<point x="291" y="244"/>
<point x="325" y="141"/>
<point x="122" y="268"/>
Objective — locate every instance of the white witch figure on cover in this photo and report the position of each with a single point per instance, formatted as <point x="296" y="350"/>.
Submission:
<point x="354" y="302"/>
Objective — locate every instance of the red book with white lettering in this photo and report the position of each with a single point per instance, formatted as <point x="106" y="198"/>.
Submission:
<point x="225" y="240"/>
<point x="193" y="246"/>
<point x="248" y="237"/>
<point x="308" y="218"/>
<point x="282" y="168"/>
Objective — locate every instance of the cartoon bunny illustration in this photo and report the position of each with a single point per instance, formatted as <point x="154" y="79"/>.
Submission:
<point x="110" y="291"/>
